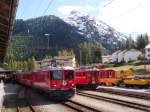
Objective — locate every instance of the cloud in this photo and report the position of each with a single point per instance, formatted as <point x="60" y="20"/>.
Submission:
<point x="127" y="16"/>
<point x="89" y="8"/>
<point x="66" y="9"/>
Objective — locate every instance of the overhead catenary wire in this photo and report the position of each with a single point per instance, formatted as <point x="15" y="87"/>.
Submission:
<point x="108" y="3"/>
<point x="47" y="7"/>
<point x="38" y="7"/>
<point x="128" y="11"/>
<point x="26" y="7"/>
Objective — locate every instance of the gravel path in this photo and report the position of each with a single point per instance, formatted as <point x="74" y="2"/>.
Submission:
<point x="103" y="105"/>
<point x="124" y="98"/>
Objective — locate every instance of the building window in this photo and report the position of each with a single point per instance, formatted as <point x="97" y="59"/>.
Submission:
<point x="149" y="55"/>
<point x="148" y="50"/>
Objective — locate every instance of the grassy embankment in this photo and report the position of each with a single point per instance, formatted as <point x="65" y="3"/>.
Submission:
<point x="136" y="68"/>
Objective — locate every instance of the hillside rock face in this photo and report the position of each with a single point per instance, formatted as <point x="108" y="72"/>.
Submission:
<point x="60" y="33"/>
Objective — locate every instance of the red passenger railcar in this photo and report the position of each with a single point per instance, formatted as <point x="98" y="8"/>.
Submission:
<point x="57" y="82"/>
<point x="87" y="78"/>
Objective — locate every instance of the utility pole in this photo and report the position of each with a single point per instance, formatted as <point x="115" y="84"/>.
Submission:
<point x="47" y="35"/>
<point x="80" y="57"/>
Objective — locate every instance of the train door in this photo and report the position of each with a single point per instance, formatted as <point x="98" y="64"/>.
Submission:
<point x="46" y="79"/>
<point x="110" y="74"/>
<point x="56" y="78"/>
<point x="96" y="76"/>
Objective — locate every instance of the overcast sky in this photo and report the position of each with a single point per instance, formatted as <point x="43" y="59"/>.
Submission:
<point x="126" y="16"/>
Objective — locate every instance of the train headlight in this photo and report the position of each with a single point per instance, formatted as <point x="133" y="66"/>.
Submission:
<point x="93" y="82"/>
<point x="55" y="85"/>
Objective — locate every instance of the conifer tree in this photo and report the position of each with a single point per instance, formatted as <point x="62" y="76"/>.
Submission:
<point x="34" y="64"/>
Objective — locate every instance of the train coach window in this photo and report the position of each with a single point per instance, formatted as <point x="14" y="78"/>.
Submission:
<point x="109" y="74"/>
<point x="88" y="75"/>
<point x="56" y="75"/>
<point x="69" y="74"/>
<point x="96" y="74"/>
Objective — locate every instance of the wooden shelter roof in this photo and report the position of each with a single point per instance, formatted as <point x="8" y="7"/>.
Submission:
<point x="7" y="17"/>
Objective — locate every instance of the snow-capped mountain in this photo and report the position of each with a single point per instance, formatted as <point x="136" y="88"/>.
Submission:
<point x="94" y="29"/>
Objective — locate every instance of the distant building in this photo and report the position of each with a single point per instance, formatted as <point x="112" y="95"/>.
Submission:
<point x="147" y="52"/>
<point x="121" y="56"/>
<point x="45" y="62"/>
<point x="131" y="55"/>
<point x="65" y="60"/>
<point x="126" y="55"/>
<point x="115" y="56"/>
<point x="106" y="59"/>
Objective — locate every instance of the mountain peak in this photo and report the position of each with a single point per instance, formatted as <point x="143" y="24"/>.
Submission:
<point x="93" y="29"/>
<point x="78" y="13"/>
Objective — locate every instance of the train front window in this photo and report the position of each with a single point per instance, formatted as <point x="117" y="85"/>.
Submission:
<point x="56" y="75"/>
<point x="95" y="74"/>
<point x="69" y="74"/>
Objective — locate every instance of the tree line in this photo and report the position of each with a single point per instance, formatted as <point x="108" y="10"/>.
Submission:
<point x="86" y="53"/>
<point x="140" y="42"/>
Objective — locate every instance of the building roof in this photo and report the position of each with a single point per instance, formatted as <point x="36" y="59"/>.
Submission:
<point x="147" y="46"/>
<point x="63" y="57"/>
<point x="108" y="56"/>
<point x="2" y="70"/>
<point x="122" y="52"/>
<point x="7" y="17"/>
<point x="116" y="52"/>
<point x="133" y="50"/>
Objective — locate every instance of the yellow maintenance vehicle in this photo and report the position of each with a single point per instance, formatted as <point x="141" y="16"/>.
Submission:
<point x="114" y="76"/>
<point x="137" y="80"/>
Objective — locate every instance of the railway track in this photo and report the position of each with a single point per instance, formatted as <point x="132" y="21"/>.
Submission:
<point x="79" y="107"/>
<point x="27" y="108"/>
<point x="117" y="101"/>
<point x="145" y="96"/>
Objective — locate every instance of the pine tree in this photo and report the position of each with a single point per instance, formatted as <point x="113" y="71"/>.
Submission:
<point x="29" y="64"/>
<point x="34" y="64"/>
<point x="130" y="43"/>
<point x="142" y="41"/>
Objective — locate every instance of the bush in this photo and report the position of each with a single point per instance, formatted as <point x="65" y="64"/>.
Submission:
<point x="119" y="64"/>
<point x="135" y="63"/>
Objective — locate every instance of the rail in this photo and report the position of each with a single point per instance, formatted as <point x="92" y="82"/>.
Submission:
<point x="145" y="96"/>
<point x="79" y="107"/>
<point x="117" y="101"/>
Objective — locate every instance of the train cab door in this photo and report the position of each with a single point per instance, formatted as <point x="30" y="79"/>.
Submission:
<point x="47" y="78"/>
<point x="68" y="79"/>
<point x="56" y="78"/>
<point x="83" y="78"/>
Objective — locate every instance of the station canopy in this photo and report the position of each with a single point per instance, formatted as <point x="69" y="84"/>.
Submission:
<point x="7" y="17"/>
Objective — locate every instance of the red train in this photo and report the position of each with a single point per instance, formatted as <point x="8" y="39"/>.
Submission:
<point x="87" y="78"/>
<point x="57" y="82"/>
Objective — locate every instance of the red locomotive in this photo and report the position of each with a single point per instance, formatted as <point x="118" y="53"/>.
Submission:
<point x="57" y="82"/>
<point x="87" y="78"/>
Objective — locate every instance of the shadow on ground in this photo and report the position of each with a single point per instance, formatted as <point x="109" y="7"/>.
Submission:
<point x="20" y="96"/>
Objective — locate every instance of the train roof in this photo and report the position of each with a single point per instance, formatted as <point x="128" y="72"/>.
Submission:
<point x="54" y="68"/>
<point x="87" y="69"/>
